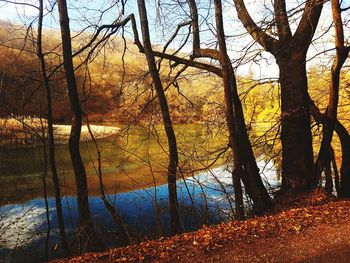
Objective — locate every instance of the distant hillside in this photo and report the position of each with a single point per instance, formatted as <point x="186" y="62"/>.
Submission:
<point x="117" y="86"/>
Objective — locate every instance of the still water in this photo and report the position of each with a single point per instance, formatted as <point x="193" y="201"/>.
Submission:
<point x="134" y="168"/>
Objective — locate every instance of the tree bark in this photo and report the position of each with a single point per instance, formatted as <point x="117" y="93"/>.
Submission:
<point x="324" y="157"/>
<point x="298" y="173"/>
<point x="246" y="166"/>
<point x="173" y="153"/>
<point x="344" y="136"/>
<point x="52" y="159"/>
<point x="237" y="174"/>
<point x="86" y="232"/>
<point x="345" y="165"/>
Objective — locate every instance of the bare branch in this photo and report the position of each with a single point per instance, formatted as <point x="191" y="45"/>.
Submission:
<point x="308" y="23"/>
<point x="268" y="42"/>
<point x="282" y="23"/>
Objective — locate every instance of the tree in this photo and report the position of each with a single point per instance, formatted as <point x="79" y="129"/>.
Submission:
<point x="86" y="232"/>
<point x="244" y="160"/>
<point x="325" y="155"/>
<point x="289" y="50"/>
<point x="173" y="154"/>
<point x="245" y="164"/>
<point x="51" y="138"/>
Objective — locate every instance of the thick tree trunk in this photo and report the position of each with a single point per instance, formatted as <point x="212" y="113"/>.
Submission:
<point x="298" y="173"/>
<point x="173" y="154"/>
<point x="88" y="239"/>
<point x="290" y="52"/>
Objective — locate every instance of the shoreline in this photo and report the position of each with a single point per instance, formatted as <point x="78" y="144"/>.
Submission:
<point x="28" y="131"/>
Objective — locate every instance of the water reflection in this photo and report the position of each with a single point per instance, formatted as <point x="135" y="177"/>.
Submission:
<point x="205" y="198"/>
<point x="24" y="225"/>
<point x="126" y="161"/>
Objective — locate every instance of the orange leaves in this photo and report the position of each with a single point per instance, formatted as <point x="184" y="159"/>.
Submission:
<point x="214" y="240"/>
<point x="297" y="228"/>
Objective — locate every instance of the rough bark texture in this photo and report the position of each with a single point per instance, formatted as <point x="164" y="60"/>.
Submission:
<point x="173" y="154"/>
<point x="298" y="173"/>
<point x="88" y="239"/>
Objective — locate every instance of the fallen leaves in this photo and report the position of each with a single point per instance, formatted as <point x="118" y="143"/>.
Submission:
<point x="210" y="239"/>
<point x="297" y="228"/>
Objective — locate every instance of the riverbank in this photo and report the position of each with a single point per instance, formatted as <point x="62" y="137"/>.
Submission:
<point x="27" y="131"/>
<point x="134" y="158"/>
<point x="315" y="229"/>
<point x="62" y="132"/>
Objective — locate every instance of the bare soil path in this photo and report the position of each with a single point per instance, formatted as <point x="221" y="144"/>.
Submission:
<point x="326" y="242"/>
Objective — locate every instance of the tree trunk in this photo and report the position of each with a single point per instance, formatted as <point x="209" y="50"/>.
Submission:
<point x="342" y="52"/>
<point x="298" y="173"/>
<point x="246" y="167"/>
<point x="86" y="232"/>
<point x="325" y="154"/>
<point x="253" y="183"/>
<point x="343" y="189"/>
<point x="236" y="179"/>
<point x="173" y="154"/>
<point x="328" y="174"/>
<point x="52" y="159"/>
<point x="345" y="165"/>
<point x="240" y="143"/>
<point x="336" y="173"/>
<point x="323" y="161"/>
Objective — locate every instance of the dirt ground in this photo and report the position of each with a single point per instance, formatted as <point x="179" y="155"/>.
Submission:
<point x="315" y="229"/>
<point x="321" y="243"/>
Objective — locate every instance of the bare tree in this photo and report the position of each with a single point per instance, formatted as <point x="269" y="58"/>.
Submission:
<point x="323" y="162"/>
<point x="244" y="157"/>
<point x="86" y="231"/>
<point x="245" y="166"/>
<point x="298" y="172"/>
<point x="168" y="126"/>
<point x="52" y="159"/>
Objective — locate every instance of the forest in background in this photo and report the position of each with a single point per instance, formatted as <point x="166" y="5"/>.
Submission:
<point x="118" y="91"/>
<point x="195" y="98"/>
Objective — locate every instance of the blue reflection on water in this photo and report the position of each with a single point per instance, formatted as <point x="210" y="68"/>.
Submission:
<point x="203" y="199"/>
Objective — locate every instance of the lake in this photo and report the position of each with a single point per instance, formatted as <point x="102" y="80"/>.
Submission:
<point x="134" y="172"/>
